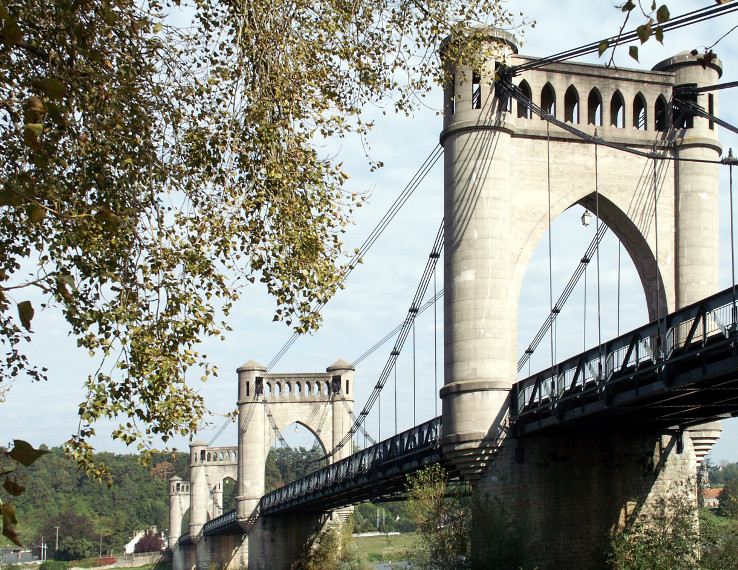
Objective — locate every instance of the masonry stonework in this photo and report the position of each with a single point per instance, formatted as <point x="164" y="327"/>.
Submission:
<point x="507" y="173"/>
<point x="268" y="403"/>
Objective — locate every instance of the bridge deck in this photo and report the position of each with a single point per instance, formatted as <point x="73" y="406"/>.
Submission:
<point x="679" y="372"/>
<point x="377" y="472"/>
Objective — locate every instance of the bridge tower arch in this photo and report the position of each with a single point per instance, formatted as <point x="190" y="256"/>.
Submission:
<point x="507" y="175"/>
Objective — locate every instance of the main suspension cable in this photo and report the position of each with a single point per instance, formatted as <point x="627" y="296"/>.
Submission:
<point x="688" y="19"/>
<point x="399" y="343"/>
<point x="416" y="180"/>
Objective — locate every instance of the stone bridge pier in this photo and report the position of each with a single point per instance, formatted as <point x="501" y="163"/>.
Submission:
<point x="507" y="173"/>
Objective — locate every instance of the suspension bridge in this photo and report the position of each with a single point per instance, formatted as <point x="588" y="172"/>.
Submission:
<point x="523" y="139"/>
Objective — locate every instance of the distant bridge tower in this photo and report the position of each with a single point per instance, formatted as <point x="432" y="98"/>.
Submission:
<point x="267" y="404"/>
<point x="503" y="167"/>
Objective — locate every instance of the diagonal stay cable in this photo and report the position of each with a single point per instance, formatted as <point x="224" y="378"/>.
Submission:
<point x="393" y="332"/>
<point x="401" y="338"/>
<point x="578" y="272"/>
<point x="411" y="186"/>
<point x="416" y="180"/>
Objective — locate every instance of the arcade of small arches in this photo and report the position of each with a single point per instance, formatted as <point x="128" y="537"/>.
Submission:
<point x="627" y="98"/>
<point x="296" y="388"/>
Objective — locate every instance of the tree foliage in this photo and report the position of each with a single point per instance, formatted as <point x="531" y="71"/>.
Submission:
<point x="149" y="171"/>
<point x="728" y="498"/>
<point x="285" y="464"/>
<point x="332" y="549"/>
<point x="150" y="542"/>
<point x="665" y="537"/>
<point x="12" y="463"/>
<point x="61" y="495"/>
<point x="719" y="475"/>
<point x="442" y="518"/>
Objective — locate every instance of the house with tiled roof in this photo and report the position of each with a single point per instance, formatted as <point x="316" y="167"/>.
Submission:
<point x="710" y="498"/>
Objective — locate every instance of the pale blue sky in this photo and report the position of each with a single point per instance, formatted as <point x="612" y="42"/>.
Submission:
<point x="379" y="292"/>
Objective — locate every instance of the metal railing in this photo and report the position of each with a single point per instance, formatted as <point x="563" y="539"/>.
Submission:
<point x="645" y="351"/>
<point x="401" y="453"/>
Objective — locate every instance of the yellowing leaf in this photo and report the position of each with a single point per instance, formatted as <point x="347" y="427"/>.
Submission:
<point x="602" y="48"/>
<point x="9" y="522"/>
<point x="52" y="88"/>
<point x="35" y="213"/>
<point x="644" y="31"/>
<point x="158" y="27"/>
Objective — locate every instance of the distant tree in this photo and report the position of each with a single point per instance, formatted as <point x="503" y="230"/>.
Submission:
<point x="149" y="542"/>
<point x="441" y="521"/>
<point x="720" y="475"/>
<point x="728" y="498"/>
<point x="285" y="464"/>
<point x="76" y="549"/>
<point x="719" y="542"/>
<point x="332" y="549"/>
<point x="163" y="470"/>
<point x="72" y="525"/>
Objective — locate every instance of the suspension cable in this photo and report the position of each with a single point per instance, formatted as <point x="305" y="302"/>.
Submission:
<point x="394" y="331"/>
<point x="562" y="298"/>
<point x="435" y="345"/>
<point x="401" y="338"/>
<point x="690" y="18"/>
<point x="597" y="222"/>
<point x="389" y="215"/>
<point x="584" y="318"/>
<point x="550" y="256"/>
<point x="730" y="161"/>
<point x="399" y="202"/>
<point x="656" y="231"/>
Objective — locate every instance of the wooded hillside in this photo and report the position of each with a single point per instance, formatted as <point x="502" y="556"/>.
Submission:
<point x="59" y="494"/>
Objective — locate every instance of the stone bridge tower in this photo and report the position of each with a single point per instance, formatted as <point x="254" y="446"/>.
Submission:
<point x="503" y="167"/>
<point x="267" y="404"/>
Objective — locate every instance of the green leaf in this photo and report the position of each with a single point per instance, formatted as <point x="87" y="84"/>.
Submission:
<point x="51" y="87"/>
<point x="644" y="31"/>
<point x="31" y="132"/>
<point x="24" y="453"/>
<point x="662" y="14"/>
<point x="35" y="213"/>
<point x="11" y="34"/>
<point x="633" y="52"/>
<point x="25" y="312"/>
<point x="659" y="34"/>
<point x="10" y="198"/>
<point x="13" y="488"/>
<point x="628" y="6"/>
<point x="9" y="522"/>
<point x="604" y="44"/>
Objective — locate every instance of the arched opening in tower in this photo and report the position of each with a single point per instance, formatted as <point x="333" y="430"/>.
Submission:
<point x="230" y="491"/>
<point x="596" y="310"/>
<point x="296" y="452"/>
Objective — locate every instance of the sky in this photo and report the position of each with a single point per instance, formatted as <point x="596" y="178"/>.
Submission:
<point x="379" y="292"/>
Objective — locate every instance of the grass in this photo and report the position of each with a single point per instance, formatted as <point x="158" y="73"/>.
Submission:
<point x="384" y="548"/>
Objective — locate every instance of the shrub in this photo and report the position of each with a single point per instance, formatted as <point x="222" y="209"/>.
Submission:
<point x="53" y="565"/>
